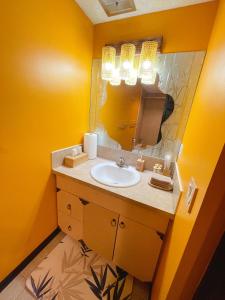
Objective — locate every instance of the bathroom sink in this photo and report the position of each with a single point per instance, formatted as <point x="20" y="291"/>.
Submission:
<point x="110" y="174"/>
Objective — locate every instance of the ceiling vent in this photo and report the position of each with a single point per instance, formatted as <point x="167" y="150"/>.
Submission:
<point x="117" y="7"/>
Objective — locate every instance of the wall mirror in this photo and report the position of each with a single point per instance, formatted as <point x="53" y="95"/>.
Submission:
<point x="147" y="117"/>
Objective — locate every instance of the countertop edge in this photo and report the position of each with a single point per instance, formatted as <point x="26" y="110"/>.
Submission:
<point x="171" y="215"/>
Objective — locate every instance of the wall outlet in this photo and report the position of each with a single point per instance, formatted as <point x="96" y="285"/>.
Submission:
<point x="191" y="194"/>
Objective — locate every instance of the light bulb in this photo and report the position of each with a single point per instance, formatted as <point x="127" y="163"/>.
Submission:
<point x="126" y="65"/>
<point x="108" y="62"/>
<point x="127" y="56"/>
<point x="108" y="66"/>
<point x="146" y="64"/>
<point x="149" y="78"/>
<point x="147" y="58"/>
<point x="132" y="79"/>
<point x="116" y="80"/>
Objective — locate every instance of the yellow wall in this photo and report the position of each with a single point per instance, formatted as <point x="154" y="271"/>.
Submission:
<point x="183" y="29"/>
<point x="203" y="141"/>
<point x="121" y="109"/>
<point x="45" y="62"/>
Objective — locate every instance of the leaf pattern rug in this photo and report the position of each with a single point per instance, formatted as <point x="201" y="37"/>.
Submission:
<point x="73" y="271"/>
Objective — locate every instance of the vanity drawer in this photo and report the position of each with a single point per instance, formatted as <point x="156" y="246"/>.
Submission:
<point x="70" y="226"/>
<point x="70" y="205"/>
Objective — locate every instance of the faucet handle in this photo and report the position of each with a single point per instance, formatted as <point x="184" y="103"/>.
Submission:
<point x="121" y="163"/>
<point x="122" y="159"/>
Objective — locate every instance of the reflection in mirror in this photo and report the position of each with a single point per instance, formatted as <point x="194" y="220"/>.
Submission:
<point x="150" y="118"/>
<point x="119" y="113"/>
<point x="155" y="107"/>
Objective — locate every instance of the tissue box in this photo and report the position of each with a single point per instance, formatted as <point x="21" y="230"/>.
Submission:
<point x="72" y="161"/>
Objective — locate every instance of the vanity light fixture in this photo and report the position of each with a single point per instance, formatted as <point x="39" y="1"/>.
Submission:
<point x="127" y="60"/>
<point x="108" y="62"/>
<point x="147" y="59"/>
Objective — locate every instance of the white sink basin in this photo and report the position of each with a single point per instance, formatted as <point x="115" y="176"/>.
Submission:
<point x="110" y="174"/>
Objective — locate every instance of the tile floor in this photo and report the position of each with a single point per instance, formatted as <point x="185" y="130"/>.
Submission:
<point x="16" y="289"/>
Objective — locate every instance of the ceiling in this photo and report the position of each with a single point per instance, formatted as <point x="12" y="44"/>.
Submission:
<point x="96" y="13"/>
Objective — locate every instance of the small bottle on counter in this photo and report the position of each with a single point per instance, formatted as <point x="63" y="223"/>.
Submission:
<point x="140" y="165"/>
<point x="158" y="168"/>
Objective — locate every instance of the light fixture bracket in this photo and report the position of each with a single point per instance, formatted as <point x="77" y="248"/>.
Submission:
<point x="137" y="43"/>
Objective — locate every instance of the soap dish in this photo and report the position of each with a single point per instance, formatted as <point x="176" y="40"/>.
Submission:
<point x="161" y="184"/>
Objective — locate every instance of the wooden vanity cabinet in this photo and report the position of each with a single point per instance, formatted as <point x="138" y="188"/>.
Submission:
<point x="128" y="234"/>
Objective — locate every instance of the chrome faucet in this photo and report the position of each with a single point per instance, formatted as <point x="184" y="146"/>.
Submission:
<point x="121" y="163"/>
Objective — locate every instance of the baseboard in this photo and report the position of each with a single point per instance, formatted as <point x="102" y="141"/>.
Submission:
<point x="27" y="260"/>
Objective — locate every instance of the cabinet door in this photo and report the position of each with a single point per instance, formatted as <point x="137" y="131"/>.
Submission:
<point x="137" y="249"/>
<point x="70" y="205"/>
<point x="100" y="226"/>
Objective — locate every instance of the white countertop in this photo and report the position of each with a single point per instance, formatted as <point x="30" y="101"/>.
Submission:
<point x="141" y="193"/>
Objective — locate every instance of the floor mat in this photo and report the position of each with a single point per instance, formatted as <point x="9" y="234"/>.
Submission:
<point x="73" y="271"/>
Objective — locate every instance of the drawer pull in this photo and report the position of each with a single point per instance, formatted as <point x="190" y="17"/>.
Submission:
<point x="68" y="206"/>
<point x="113" y="222"/>
<point x="122" y="225"/>
<point x="69" y="228"/>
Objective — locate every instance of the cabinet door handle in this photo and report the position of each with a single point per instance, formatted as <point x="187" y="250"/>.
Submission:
<point x="84" y="202"/>
<point x="113" y="222"/>
<point x="161" y="235"/>
<point x="68" y="206"/>
<point x="69" y="228"/>
<point x="122" y="225"/>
